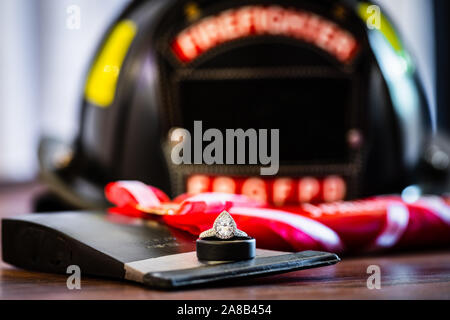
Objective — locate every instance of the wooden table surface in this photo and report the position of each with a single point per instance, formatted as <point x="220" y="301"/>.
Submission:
<point x="416" y="275"/>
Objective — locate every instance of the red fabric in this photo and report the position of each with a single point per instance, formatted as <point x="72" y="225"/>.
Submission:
<point x="122" y="194"/>
<point x="355" y="226"/>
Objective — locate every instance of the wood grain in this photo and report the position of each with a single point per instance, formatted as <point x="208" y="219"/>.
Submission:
<point x="417" y="275"/>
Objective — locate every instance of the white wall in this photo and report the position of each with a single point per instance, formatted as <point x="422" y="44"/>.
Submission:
<point x="42" y="68"/>
<point x="19" y="94"/>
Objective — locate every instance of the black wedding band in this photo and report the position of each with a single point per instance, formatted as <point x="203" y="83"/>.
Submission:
<point x="235" y="249"/>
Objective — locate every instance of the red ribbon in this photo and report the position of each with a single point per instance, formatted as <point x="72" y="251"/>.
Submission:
<point x="355" y="226"/>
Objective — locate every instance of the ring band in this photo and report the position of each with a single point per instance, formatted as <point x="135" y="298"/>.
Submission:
<point x="212" y="233"/>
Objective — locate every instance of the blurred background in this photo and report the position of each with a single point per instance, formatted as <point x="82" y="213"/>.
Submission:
<point x="47" y="46"/>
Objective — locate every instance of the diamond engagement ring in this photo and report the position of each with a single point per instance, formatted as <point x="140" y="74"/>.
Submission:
<point x="224" y="228"/>
<point x="239" y="246"/>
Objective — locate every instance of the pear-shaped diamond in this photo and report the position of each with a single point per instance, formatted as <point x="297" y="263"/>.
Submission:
<point x="224" y="226"/>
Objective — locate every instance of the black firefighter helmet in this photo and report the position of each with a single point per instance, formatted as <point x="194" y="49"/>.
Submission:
<point x="332" y="76"/>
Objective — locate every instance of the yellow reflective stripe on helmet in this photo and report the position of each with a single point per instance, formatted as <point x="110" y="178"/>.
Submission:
<point x="101" y="83"/>
<point x="386" y="27"/>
